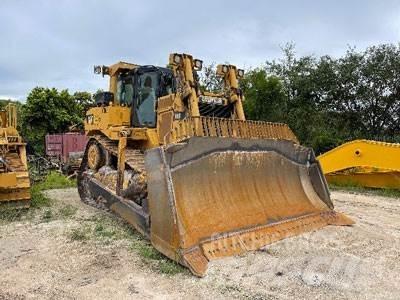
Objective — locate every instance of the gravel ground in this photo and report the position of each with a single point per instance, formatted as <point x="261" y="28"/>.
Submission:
<point x="65" y="252"/>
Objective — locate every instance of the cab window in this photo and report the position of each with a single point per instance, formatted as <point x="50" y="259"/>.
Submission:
<point x="125" y="92"/>
<point x="146" y="98"/>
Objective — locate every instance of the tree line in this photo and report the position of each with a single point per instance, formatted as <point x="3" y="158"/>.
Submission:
<point x="47" y="110"/>
<point x="325" y="100"/>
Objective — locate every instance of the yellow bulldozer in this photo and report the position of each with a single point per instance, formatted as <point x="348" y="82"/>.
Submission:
<point x="14" y="176"/>
<point x="188" y="171"/>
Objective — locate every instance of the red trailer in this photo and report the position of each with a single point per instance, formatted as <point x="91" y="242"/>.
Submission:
<point x="67" y="148"/>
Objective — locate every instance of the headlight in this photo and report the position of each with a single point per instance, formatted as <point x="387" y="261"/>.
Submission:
<point x="105" y="70"/>
<point x="177" y="59"/>
<point x="198" y="64"/>
<point x="240" y="73"/>
<point x="222" y="70"/>
<point x="97" y="69"/>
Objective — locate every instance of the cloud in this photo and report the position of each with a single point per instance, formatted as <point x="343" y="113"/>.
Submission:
<point x="56" y="43"/>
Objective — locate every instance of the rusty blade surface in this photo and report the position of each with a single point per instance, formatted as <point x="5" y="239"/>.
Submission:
<point x="227" y="191"/>
<point x="226" y="196"/>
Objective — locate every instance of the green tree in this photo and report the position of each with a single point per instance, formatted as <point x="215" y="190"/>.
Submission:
<point x="209" y="80"/>
<point x="84" y="101"/>
<point x="265" y="97"/>
<point x="304" y="95"/>
<point x="368" y="93"/>
<point x="327" y="101"/>
<point x="50" y="111"/>
<point x="5" y="102"/>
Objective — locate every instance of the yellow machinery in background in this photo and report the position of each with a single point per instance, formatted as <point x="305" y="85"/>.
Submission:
<point x="14" y="176"/>
<point x="188" y="171"/>
<point x="363" y="163"/>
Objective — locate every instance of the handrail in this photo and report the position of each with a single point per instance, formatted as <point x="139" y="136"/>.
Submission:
<point x="11" y="118"/>
<point x="220" y="127"/>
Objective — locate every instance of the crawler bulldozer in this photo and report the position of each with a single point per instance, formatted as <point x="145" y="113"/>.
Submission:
<point x="14" y="176"/>
<point x="187" y="170"/>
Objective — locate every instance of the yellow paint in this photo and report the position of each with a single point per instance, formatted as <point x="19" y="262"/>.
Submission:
<point x="374" y="180"/>
<point x="251" y="198"/>
<point x="363" y="162"/>
<point x="109" y="120"/>
<point x="121" y="164"/>
<point x="114" y="120"/>
<point x="14" y="177"/>
<point x="8" y="180"/>
<point x="232" y="84"/>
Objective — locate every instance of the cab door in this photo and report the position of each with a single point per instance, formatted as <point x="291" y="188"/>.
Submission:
<point x="145" y="99"/>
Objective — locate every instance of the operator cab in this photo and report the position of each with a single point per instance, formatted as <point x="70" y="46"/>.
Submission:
<point x="140" y="88"/>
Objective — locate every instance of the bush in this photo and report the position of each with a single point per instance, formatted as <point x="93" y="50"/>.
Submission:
<point x="38" y="199"/>
<point x="55" y="180"/>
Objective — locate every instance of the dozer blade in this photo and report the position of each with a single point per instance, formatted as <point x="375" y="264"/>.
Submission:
<point x="214" y="197"/>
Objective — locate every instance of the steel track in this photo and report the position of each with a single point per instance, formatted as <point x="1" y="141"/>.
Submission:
<point x="134" y="159"/>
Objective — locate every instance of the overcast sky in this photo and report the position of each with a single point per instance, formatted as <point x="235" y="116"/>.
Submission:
<point x="56" y="43"/>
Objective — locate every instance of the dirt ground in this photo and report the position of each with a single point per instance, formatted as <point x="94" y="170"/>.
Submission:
<point x="71" y="251"/>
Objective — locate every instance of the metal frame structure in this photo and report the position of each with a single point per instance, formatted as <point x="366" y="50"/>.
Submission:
<point x="363" y="163"/>
<point x="14" y="176"/>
